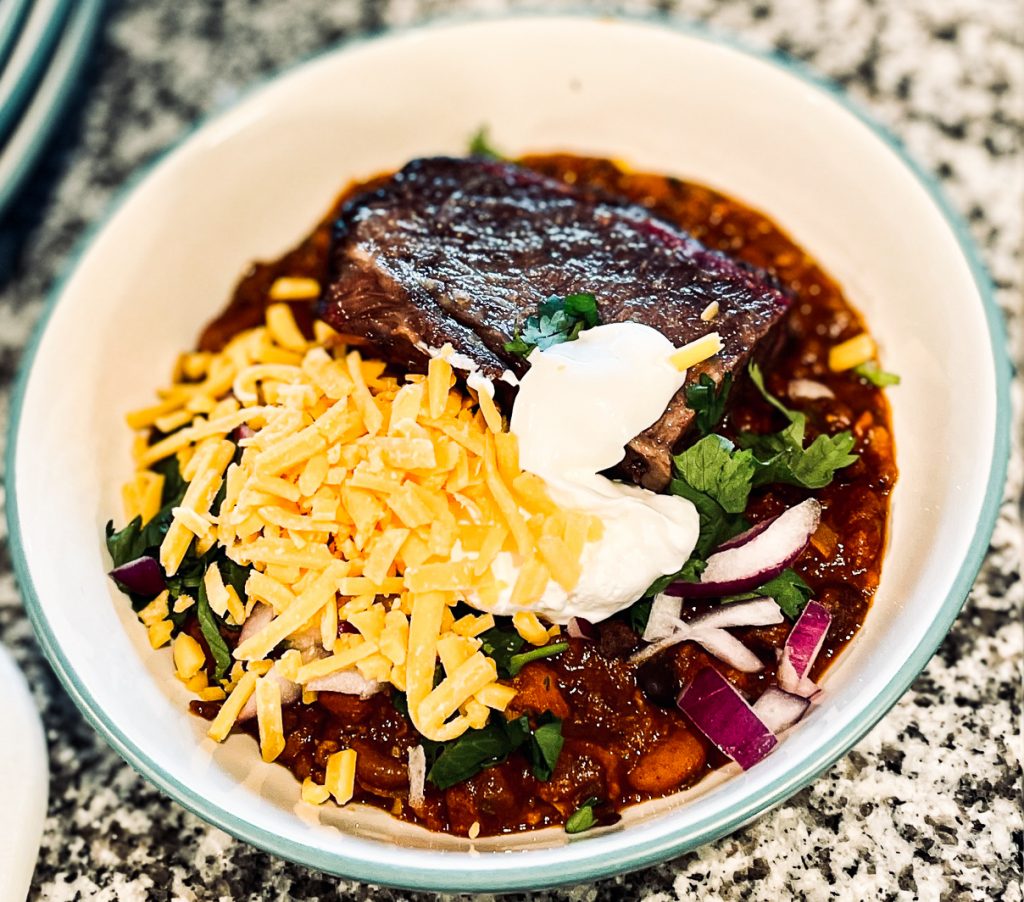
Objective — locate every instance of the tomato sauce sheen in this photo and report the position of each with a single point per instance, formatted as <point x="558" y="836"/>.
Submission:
<point x="625" y="741"/>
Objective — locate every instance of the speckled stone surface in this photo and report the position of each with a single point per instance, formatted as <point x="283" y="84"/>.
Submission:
<point x="928" y="805"/>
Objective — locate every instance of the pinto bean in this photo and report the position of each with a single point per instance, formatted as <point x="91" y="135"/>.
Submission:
<point x="673" y="762"/>
<point x="380" y="773"/>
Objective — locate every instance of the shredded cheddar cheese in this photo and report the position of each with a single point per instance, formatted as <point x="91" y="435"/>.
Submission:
<point x="850" y="353"/>
<point x="696" y="351"/>
<point x="367" y="506"/>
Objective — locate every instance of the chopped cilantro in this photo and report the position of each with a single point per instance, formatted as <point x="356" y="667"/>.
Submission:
<point x="781" y="457"/>
<point x="123" y="544"/>
<point x="718" y="477"/>
<point x="209" y="624"/>
<point x="876" y="375"/>
<point x="708" y="401"/>
<point x="136" y="540"/>
<point x="582" y="819"/>
<point x="545" y="746"/>
<point x="715" y="468"/>
<point x="557" y="320"/>
<point x="519" y="661"/>
<point x="501" y="645"/>
<point x="788" y="589"/>
<point x="639" y="612"/>
<point x="480" y="145"/>
<point x="476" y="750"/>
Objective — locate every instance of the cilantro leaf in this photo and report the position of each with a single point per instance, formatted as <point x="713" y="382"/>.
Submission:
<point x="758" y="379"/>
<point x="788" y="589"/>
<point x="557" y="320"/>
<point x="876" y="375"/>
<point x="475" y="750"/>
<point x="815" y="467"/>
<point x="480" y="145"/>
<point x="174" y="483"/>
<point x="715" y="468"/>
<point x="545" y="746"/>
<point x="582" y="818"/>
<point x="639" y="612"/>
<point x="501" y="645"/>
<point x="209" y="624"/>
<point x="708" y="401"/>
<point x="518" y="662"/>
<point x="781" y="457"/>
<point x="124" y="545"/>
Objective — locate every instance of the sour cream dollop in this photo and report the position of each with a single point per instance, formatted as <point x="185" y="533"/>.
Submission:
<point x="578" y="406"/>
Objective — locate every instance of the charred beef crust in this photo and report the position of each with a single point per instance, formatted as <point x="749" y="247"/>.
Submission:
<point x="463" y="250"/>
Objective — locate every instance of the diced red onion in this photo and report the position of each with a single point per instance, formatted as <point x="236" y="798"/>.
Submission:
<point x="307" y="639"/>
<point x="755" y="612"/>
<point x="345" y="627"/>
<point x="680" y="634"/>
<point x="727" y="648"/>
<point x="245" y="431"/>
<point x="779" y="710"/>
<point x="143" y="576"/>
<point x="808" y="390"/>
<point x="579" y="628"/>
<point x="663" y="619"/>
<point x="290" y="693"/>
<point x="724" y="716"/>
<point x="417" y="776"/>
<point x="761" y="558"/>
<point x="347" y="682"/>
<point x="708" y="631"/>
<point x="259" y="617"/>
<point x="801" y="649"/>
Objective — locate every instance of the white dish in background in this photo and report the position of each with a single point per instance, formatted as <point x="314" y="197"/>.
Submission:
<point x="24" y="782"/>
<point x="22" y="146"/>
<point x="253" y="181"/>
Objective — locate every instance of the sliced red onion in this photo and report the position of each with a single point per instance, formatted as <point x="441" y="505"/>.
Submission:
<point x="579" y="628"/>
<point x="723" y="715"/>
<point x="417" y="776"/>
<point x="143" y="576"/>
<point x="801" y="650"/>
<point x="708" y="631"/>
<point x="290" y="693"/>
<point x="347" y="682"/>
<point x="259" y="617"/>
<point x="808" y="390"/>
<point x="663" y="619"/>
<point x="761" y="558"/>
<point x="779" y="710"/>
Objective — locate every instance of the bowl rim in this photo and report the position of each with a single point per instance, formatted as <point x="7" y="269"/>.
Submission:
<point x="513" y="873"/>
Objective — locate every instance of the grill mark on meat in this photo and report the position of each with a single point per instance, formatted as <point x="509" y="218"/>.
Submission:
<point x="463" y="251"/>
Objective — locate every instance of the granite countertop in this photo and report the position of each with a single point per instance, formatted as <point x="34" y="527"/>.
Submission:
<point x="928" y="805"/>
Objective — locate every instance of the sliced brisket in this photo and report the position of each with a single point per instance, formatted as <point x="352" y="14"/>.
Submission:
<point x="463" y="251"/>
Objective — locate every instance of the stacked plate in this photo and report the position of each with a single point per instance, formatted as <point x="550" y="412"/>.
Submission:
<point x="43" y="45"/>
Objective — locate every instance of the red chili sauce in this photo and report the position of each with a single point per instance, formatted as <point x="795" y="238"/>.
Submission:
<point x="625" y="741"/>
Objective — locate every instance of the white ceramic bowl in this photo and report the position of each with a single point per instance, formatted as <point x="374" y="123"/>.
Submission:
<point x="251" y="182"/>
